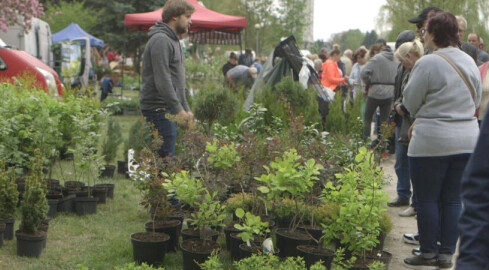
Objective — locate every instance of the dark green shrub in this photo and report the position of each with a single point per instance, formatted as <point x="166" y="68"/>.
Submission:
<point x="215" y="104"/>
<point x="139" y="137"/>
<point x="8" y="193"/>
<point x="34" y="206"/>
<point x="288" y="99"/>
<point x="112" y="140"/>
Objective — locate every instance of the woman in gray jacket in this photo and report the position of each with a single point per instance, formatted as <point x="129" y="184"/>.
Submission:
<point x="379" y="74"/>
<point x="443" y="136"/>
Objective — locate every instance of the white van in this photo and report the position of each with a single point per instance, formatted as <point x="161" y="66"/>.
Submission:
<point x="36" y="41"/>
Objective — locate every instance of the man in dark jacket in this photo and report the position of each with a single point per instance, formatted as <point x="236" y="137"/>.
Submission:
<point x="163" y="73"/>
<point x="474" y="221"/>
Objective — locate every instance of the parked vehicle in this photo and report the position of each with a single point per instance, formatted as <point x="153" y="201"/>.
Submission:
<point x="36" y="41"/>
<point x="14" y="63"/>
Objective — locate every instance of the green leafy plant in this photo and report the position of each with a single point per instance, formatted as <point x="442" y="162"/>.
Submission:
<point x="210" y="212"/>
<point x="134" y="266"/>
<point x="340" y="262"/>
<point x="222" y="157"/>
<point x="9" y="195"/>
<point x="34" y="206"/>
<point x="251" y="227"/>
<point x="239" y="200"/>
<point x="112" y="141"/>
<point x="288" y="177"/>
<point x="376" y="265"/>
<point x="361" y="199"/>
<point x="271" y="262"/>
<point x="212" y="263"/>
<point x="185" y="187"/>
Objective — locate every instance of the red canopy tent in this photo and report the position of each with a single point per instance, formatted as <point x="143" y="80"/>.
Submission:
<point x="207" y="26"/>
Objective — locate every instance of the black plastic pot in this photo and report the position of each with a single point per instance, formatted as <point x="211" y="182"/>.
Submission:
<point x="170" y="227"/>
<point x="54" y="195"/>
<point x="246" y="251"/>
<point x="122" y="167"/>
<point x="194" y="252"/>
<point x="149" y="248"/>
<point x="188" y="234"/>
<point x="53" y="208"/>
<point x="108" y="171"/>
<point x="312" y="255"/>
<point x="314" y="231"/>
<point x="228" y="230"/>
<point x="86" y="205"/>
<point x="288" y="242"/>
<point x="110" y="189"/>
<point x="74" y="184"/>
<point x="2" y="229"/>
<point x="381" y="238"/>
<point x="66" y="204"/>
<point x="8" y="233"/>
<point x="234" y="242"/>
<point x="100" y="193"/>
<point x="30" y="245"/>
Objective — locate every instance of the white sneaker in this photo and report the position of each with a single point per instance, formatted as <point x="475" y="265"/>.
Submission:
<point x="411" y="238"/>
<point x="408" y="212"/>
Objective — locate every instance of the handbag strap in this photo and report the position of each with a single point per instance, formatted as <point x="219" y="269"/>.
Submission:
<point x="459" y="73"/>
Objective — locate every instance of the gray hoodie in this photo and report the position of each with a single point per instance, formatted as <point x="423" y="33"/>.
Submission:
<point x="380" y="73"/>
<point x="163" y="72"/>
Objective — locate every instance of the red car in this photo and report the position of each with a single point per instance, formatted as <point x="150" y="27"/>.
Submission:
<point x="15" y="63"/>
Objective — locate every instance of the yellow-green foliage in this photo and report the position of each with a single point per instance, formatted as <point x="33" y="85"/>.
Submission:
<point x="239" y="200"/>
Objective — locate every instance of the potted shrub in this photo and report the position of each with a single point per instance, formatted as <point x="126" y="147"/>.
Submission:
<point x="110" y="146"/>
<point x="207" y="212"/>
<point x="164" y="217"/>
<point x="87" y="161"/>
<point x="252" y="232"/>
<point x="222" y="163"/>
<point x="30" y="239"/>
<point x="215" y="104"/>
<point x="9" y="197"/>
<point x="210" y="214"/>
<point x="287" y="176"/>
<point x="150" y="246"/>
<point x="361" y="201"/>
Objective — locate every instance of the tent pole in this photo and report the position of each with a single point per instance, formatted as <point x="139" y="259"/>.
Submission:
<point x="240" y="43"/>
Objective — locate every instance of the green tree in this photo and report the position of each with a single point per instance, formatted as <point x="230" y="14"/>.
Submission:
<point x="59" y="15"/>
<point x="396" y="13"/>
<point x="370" y="38"/>
<point x="351" y="39"/>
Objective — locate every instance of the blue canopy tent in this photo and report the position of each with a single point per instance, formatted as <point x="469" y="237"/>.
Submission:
<point x="75" y="31"/>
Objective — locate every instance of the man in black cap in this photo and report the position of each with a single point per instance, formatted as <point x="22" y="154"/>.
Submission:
<point x="420" y="20"/>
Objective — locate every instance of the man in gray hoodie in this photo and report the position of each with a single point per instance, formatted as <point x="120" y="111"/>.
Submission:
<point x="163" y="73"/>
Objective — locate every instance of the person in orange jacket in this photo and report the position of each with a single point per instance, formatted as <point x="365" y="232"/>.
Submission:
<point x="332" y="76"/>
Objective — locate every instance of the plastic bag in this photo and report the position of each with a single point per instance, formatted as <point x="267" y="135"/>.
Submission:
<point x="304" y="75"/>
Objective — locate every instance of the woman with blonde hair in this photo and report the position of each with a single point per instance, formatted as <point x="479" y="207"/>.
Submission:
<point x="407" y="53"/>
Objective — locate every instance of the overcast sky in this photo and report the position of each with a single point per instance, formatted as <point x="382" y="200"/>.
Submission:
<point x="333" y="16"/>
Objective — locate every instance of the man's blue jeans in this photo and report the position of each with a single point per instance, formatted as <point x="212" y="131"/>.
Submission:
<point x="166" y="129"/>
<point x="402" y="171"/>
<point x="436" y="183"/>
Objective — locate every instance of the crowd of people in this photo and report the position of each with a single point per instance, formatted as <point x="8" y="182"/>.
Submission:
<point x="429" y="84"/>
<point x="434" y="87"/>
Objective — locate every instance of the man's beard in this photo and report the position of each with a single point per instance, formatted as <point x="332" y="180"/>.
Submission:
<point x="181" y="30"/>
